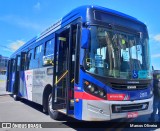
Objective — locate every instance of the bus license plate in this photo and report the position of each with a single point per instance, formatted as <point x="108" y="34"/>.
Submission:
<point x="132" y="114"/>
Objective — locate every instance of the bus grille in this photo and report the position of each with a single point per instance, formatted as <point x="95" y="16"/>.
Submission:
<point x="128" y="87"/>
<point x="129" y="108"/>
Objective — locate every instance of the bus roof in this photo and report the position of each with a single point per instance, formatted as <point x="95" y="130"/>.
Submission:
<point x="78" y="12"/>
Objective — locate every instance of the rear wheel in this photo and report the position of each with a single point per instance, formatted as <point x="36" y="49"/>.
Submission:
<point x="53" y="113"/>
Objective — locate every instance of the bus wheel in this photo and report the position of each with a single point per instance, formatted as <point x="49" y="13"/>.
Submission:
<point x="53" y="113"/>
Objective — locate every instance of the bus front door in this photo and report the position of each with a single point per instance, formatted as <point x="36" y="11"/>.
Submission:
<point x="64" y="71"/>
<point x="19" y="76"/>
<point x="60" y="71"/>
<point x="10" y="75"/>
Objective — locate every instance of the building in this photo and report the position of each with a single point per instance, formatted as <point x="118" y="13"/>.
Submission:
<point x="3" y="64"/>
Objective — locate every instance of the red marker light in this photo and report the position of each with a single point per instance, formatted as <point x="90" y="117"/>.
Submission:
<point x="77" y="100"/>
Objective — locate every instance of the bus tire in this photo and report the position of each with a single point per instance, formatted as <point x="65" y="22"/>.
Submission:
<point x="53" y="113"/>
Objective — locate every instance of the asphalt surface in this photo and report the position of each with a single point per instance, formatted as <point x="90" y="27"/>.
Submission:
<point x="26" y="111"/>
<point x="2" y="87"/>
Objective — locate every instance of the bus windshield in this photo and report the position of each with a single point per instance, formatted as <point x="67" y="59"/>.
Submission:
<point x="117" y="54"/>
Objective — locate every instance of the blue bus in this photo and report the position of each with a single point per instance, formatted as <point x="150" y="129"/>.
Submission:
<point x="93" y="65"/>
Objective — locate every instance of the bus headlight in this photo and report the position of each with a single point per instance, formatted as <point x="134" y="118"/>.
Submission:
<point x="101" y="93"/>
<point x="94" y="90"/>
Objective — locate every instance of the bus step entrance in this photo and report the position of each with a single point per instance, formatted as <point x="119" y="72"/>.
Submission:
<point x="62" y="111"/>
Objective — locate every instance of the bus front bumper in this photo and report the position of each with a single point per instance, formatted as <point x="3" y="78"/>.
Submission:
<point x="103" y="110"/>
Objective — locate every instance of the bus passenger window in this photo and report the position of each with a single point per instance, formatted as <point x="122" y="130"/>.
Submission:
<point x="49" y="50"/>
<point x="38" y="55"/>
<point x="48" y="53"/>
<point x="38" y="51"/>
<point x="29" y="60"/>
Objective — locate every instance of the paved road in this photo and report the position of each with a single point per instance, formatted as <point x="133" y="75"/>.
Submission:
<point x="20" y="111"/>
<point x="25" y="111"/>
<point x="2" y="87"/>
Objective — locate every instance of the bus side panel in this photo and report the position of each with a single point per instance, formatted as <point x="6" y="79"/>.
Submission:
<point x="33" y="82"/>
<point x="41" y="78"/>
<point x="78" y="109"/>
<point x="28" y="83"/>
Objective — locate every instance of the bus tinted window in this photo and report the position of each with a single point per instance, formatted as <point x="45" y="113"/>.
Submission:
<point x="49" y="47"/>
<point x="38" y="51"/>
<point x="29" y="59"/>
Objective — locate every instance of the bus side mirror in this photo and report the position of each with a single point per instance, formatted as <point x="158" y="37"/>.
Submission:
<point x="85" y="38"/>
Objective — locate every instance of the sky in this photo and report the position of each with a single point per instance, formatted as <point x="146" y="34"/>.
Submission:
<point x="21" y="20"/>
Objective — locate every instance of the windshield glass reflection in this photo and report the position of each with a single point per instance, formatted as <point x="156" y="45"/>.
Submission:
<point x="117" y="54"/>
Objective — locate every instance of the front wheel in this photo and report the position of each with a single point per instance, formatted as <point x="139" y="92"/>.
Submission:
<point x="53" y="113"/>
